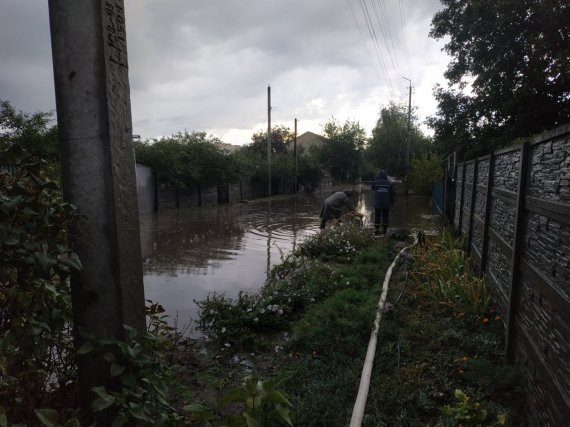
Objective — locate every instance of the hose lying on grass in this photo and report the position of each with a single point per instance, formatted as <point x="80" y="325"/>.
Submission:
<point x="360" y="403"/>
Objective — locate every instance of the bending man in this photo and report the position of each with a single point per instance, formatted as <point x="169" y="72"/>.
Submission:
<point x="333" y="204"/>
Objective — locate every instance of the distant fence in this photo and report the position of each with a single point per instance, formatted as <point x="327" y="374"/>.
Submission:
<point x="154" y="195"/>
<point x="514" y="208"/>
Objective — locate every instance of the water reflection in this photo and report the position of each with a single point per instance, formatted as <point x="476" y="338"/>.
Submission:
<point x="190" y="253"/>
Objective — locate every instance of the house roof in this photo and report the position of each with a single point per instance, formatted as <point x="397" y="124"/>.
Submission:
<point x="309" y="139"/>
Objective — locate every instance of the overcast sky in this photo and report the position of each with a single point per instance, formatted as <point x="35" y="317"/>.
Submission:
<point x="205" y="65"/>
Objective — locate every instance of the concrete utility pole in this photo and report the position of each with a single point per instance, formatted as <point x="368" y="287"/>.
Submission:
<point x="295" y="159"/>
<point x="96" y="145"/>
<point x="408" y="142"/>
<point x="269" y="138"/>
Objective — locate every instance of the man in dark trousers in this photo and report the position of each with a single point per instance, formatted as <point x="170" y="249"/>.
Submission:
<point x="383" y="201"/>
<point x="331" y="208"/>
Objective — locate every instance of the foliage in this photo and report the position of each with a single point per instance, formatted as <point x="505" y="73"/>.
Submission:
<point x="37" y="364"/>
<point x="342" y="152"/>
<point x="326" y="354"/>
<point x="387" y="147"/>
<point x="33" y="132"/>
<point x="469" y="414"/>
<point x="147" y="384"/>
<point x="241" y="322"/>
<point x="341" y="242"/>
<point x="424" y="171"/>
<point x="38" y="373"/>
<point x="263" y="403"/>
<point x="444" y="270"/>
<point x="514" y="56"/>
<point x="308" y="171"/>
<point x="253" y="159"/>
<point x="281" y="141"/>
<point x="187" y="160"/>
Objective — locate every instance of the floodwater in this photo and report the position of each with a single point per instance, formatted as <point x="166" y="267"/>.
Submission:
<point x="189" y="253"/>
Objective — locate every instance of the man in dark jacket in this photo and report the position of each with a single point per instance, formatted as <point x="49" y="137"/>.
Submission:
<point x="383" y="201"/>
<point x="333" y="204"/>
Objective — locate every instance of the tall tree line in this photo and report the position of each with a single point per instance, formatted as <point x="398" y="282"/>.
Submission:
<point x="509" y="74"/>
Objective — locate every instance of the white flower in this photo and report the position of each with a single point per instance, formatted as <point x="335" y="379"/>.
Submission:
<point x="312" y="299"/>
<point x="223" y="330"/>
<point x="256" y="319"/>
<point x="212" y="311"/>
<point x="227" y="345"/>
<point x="280" y="311"/>
<point x="262" y="311"/>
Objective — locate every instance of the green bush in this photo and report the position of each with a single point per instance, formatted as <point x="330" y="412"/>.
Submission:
<point x="37" y="363"/>
<point x="423" y="172"/>
<point x="444" y="270"/>
<point x="336" y="244"/>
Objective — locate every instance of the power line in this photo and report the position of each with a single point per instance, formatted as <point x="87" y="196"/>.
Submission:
<point x="364" y="40"/>
<point x="403" y="26"/>
<point x="374" y="39"/>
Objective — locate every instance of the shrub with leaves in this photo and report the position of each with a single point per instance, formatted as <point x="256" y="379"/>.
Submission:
<point x="37" y="365"/>
<point x="147" y="384"/>
<point x="261" y="403"/>
<point x="338" y="243"/>
<point x="444" y="270"/>
<point x="295" y="285"/>
<point x="468" y="413"/>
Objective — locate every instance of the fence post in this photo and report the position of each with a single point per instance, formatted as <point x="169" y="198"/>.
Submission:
<point x="461" y="201"/>
<point x="472" y="207"/>
<point x="517" y="247"/>
<point x="486" y="221"/>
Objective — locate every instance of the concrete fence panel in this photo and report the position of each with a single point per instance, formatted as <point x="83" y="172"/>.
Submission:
<point x="514" y="206"/>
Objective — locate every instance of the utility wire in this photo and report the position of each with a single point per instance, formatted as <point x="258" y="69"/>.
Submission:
<point x="364" y="40"/>
<point x="385" y="29"/>
<point x="374" y="38"/>
<point x="403" y="26"/>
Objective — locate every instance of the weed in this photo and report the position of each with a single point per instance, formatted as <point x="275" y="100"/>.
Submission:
<point x="444" y="270"/>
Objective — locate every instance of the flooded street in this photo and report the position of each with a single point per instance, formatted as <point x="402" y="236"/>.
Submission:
<point x="230" y="248"/>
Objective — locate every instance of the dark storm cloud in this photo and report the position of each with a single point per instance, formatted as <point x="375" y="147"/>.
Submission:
<point x="26" y="76"/>
<point x="205" y="65"/>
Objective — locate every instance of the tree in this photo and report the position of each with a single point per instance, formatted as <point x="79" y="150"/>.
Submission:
<point x="308" y="170"/>
<point x="281" y="140"/>
<point x="455" y="125"/>
<point x="342" y="153"/>
<point x="387" y="148"/>
<point x="516" y="56"/>
<point x="188" y="159"/>
<point x="424" y="171"/>
<point x="35" y="133"/>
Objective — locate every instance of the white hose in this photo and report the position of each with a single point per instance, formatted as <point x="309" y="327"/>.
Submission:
<point x="360" y="403"/>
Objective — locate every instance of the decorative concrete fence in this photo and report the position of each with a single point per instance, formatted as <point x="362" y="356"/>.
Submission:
<point x="514" y="207"/>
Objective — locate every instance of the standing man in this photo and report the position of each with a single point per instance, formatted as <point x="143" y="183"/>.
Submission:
<point x="333" y="204"/>
<point x="383" y="201"/>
